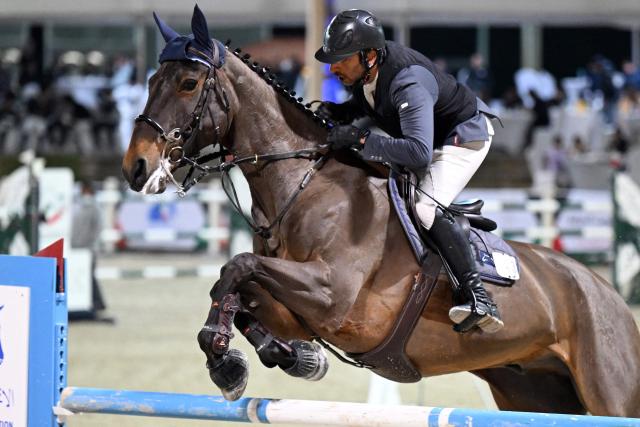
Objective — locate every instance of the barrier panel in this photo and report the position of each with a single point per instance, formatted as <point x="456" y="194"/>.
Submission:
<point x="33" y="371"/>
<point x="34" y="288"/>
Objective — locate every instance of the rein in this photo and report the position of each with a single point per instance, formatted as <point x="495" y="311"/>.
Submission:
<point x="229" y="188"/>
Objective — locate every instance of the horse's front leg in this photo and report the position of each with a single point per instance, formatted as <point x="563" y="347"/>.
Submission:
<point x="228" y="368"/>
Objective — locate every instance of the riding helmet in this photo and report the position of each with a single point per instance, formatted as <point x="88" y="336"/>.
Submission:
<point x="350" y="32"/>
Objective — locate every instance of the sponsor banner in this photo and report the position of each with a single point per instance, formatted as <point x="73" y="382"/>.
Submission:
<point x="627" y="237"/>
<point x="14" y="355"/>
<point x="136" y="218"/>
<point x="56" y="203"/>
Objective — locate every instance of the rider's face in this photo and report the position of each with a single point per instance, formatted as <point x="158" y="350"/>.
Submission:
<point x="349" y="70"/>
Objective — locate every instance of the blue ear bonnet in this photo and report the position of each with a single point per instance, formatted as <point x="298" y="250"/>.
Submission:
<point x="185" y="48"/>
<point x="197" y="47"/>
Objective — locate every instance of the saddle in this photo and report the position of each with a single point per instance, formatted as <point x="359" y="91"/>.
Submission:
<point x="495" y="259"/>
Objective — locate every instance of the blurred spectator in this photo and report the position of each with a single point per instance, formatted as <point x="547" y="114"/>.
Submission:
<point x="61" y="121"/>
<point x="86" y="234"/>
<point x="631" y="75"/>
<point x="540" y="81"/>
<point x="288" y="71"/>
<point x="5" y="81"/>
<point x="68" y="122"/>
<point x="540" y="116"/>
<point x="34" y="126"/>
<point x="618" y="147"/>
<point x="8" y="118"/>
<point x="579" y="146"/>
<point x="477" y="77"/>
<point x="619" y="143"/>
<point x="105" y="122"/>
<point x="510" y="98"/>
<point x="556" y="161"/>
<point x="441" y="63"/>
<point x="128" y="99"/>
<point x="600" y="74"/>
<point x="123" y="68"/>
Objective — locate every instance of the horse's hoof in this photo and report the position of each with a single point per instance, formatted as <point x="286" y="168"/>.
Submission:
<point x="231" y="374"/>
<point x="311" y="363"/>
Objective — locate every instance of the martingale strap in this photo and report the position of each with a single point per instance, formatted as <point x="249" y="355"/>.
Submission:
<point x="229" y="188"/>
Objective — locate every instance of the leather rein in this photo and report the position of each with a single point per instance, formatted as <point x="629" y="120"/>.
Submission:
<point x="178" y="138"/>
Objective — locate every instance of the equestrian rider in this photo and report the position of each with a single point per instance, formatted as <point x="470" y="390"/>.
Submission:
<point x="438" y="129"/>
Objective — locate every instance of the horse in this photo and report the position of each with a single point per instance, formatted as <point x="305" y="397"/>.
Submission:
<point x="336" y="264"/>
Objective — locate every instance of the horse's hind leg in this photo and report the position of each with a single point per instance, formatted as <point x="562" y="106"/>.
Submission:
<point x="605" y="363"/>
<point x="532" y="391"/>
<point x="602" y="349"/>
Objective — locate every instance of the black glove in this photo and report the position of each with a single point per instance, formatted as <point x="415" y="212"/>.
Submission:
<point x="339" y="113"/>
<point x="346" y="136"/>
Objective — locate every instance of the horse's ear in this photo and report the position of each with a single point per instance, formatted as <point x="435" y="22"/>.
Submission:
<point x="199" y="28"/>
<point x="167" y="32"/>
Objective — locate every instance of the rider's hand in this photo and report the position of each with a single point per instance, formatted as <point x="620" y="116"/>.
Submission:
<point x="339" y="113"/>
<point x="347" y="136"/>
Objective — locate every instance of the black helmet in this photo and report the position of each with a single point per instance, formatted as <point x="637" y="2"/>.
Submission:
<point x="350" y="32"/>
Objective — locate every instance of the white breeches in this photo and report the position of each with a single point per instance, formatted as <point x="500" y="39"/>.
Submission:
<point x="451" y="169"/>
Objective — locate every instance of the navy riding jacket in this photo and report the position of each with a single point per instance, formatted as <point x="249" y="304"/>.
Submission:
<point x="421" y="108"/>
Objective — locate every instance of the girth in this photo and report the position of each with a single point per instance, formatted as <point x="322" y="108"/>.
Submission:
<point x="389" y="359"/>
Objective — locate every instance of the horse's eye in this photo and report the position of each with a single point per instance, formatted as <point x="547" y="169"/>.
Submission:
<point x="188" y="84"/>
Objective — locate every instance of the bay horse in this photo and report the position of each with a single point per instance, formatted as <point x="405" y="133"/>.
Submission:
<point x="337" y="264"/>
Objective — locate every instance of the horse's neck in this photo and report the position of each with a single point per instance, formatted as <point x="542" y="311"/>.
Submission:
<point x="265" y="122"/>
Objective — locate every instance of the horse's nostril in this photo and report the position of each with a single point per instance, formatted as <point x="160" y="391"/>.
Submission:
<point x="140" y="168"/>
<point x="139" y="174"/>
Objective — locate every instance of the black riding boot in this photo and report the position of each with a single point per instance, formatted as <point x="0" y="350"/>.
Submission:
<point x="454" y="247"/>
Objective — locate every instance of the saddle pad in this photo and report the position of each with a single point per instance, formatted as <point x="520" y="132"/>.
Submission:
<point x="495" y="259"/>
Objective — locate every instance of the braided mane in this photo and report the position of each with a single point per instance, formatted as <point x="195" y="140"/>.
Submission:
<point x="279" y="86"/>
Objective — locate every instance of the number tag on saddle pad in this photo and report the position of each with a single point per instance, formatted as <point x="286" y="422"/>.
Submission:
<point x="506" y="265"/>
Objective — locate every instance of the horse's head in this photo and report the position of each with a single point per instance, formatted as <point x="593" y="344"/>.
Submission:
<point x="187" y="107"/>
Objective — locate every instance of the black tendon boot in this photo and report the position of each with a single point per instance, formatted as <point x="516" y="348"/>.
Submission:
<point x="454" y="247"/>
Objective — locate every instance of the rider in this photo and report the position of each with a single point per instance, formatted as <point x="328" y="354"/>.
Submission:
<point x="438" y="129"/>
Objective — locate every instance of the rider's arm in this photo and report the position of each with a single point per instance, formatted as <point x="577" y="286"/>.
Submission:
<point x="414" y="92"/>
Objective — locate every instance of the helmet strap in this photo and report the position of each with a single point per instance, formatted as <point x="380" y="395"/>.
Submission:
<point x="367" y="68"/>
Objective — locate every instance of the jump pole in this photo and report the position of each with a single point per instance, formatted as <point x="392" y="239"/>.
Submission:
<point x="274" y="411"/>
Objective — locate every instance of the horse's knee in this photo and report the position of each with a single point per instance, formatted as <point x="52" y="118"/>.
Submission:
<point x="238" y="270"/>
<point x="244" y="262"/>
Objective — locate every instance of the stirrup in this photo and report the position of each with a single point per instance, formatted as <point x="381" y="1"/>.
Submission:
<point x="465" y="318"/>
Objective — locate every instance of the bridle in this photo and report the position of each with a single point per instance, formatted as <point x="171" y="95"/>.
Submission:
<point x="178" y="138"/>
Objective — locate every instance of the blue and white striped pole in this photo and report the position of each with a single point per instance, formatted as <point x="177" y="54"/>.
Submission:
<point x="257" y="410"/>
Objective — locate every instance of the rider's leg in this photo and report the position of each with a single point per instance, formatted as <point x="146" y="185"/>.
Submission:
<point x="451" y="169"/>
<point x="453" y="244"/>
